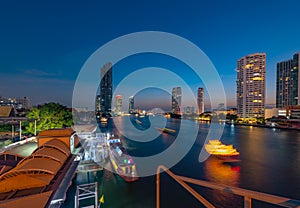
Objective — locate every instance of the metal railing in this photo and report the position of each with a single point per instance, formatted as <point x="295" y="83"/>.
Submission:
<point x="86" y="191"/>
<point x="247" y="194"/>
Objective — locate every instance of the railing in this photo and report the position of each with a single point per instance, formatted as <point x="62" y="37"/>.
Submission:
<point x="247" y="194"/>
<point x="86" y="191"/>
<point x="11" y="156"/>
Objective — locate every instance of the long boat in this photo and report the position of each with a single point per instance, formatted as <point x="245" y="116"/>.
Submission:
<point x="167" y="130"/>
<point x="122" y="163"/>
<point x="226" y="153"/>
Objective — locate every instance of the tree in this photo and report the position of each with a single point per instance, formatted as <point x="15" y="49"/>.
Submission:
<point x="261" y="120"/>
<point x="5" y="127"/>
<point x="231" y="117"/>
<point x="48" y="116"/>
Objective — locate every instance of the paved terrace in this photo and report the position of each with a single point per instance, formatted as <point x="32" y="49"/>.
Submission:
<point x="23" y="150"/>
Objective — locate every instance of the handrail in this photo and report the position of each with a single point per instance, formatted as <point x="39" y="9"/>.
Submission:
<point x="247" y="194"/>
<point x="16" y="156"/>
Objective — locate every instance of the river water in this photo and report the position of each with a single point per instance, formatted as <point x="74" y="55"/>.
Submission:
<point x="270" y="163"/>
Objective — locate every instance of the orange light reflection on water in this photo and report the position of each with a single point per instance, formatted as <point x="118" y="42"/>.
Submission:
<point x="218" y="172"/>
<point x="227" y="174"/>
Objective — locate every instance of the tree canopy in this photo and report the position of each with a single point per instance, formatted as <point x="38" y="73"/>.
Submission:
<point x="48" y="116"/>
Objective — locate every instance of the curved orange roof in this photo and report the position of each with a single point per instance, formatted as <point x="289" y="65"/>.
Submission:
<point x="56" y="132"/>
<point x="37" y="165"/>
<point x="56" y="144"/>
<point x="38" y="169"/>
<point x="51" y="152"/>
<point x="23" y="181"/>
<point x="49" y="157"/>
<point x="32" y="201"/>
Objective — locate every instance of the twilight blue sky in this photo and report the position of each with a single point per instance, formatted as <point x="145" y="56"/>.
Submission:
<point x="43" y="44"/>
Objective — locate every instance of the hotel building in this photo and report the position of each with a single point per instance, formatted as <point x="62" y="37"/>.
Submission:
<point x="251" y="85"/>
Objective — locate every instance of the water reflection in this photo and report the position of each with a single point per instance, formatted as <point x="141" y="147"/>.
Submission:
<point x="223" y="173"/>
<point x="269" y="163"/>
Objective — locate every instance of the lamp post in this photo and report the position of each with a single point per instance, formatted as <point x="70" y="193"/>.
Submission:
<point x="20" y="131"/>
<point x="34" y="127"/>
<point x="12" y="131"/>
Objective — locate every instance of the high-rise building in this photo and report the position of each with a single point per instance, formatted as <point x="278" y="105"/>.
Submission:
<point x="98" y="103"/>
<point x="119" y="104"/>
<point x="176" y="100"/>
<point x="23" y="103"/>
<point x="106" y="88"/>
<point x="251" y="85"/>
<point x="131" y="104"/>
<point x="200" y="100"/>
<point x="287" y="82"/>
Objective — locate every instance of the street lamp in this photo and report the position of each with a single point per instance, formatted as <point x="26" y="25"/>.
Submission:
<point x="34" y="127"/>
<point x="20" y="131"/>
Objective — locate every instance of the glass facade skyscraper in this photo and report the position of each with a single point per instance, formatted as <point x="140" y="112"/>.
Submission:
<point x="106" y="88"/>
<point x="287" y="82"/>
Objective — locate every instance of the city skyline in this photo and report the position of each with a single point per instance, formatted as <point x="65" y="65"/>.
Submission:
<point x="41" y="59"/>
<point x="149" y="103"/>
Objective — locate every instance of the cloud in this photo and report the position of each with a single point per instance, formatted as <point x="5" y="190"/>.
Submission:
<point x="38" y="72"/>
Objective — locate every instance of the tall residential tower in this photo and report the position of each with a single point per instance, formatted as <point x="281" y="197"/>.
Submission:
<point x="119" y="104"/>
<point x="176" y="100"/>
<point x="251" y="85"/>
<point x="287" y="82"/>
<point x="106" y="88"/>
<point x="131" y="104"/>
<point x="200" y="100"/>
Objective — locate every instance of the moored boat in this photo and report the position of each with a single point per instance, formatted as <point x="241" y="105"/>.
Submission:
<point x="122" y="163"/>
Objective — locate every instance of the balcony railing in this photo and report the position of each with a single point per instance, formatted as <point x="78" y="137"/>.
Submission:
<point x="247" y="194"/>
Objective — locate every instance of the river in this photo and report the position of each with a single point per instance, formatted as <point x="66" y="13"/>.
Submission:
<point x="270" y="163"/>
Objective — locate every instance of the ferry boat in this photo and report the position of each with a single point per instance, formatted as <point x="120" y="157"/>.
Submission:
<point x="122" y="163"/>
<point x="226" y="153"/>
<point x="103" y="120"/>
<point x="166" y="130"/>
